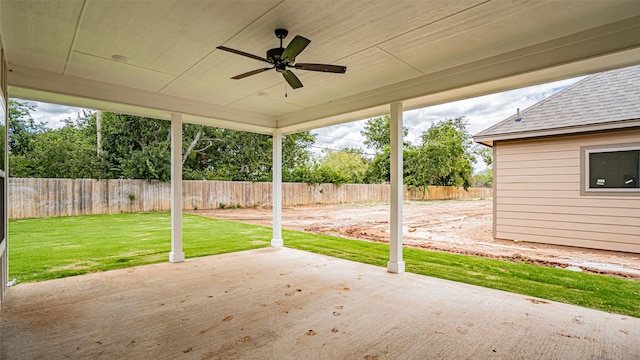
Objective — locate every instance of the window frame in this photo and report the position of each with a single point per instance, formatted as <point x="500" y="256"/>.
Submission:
<point x="585" y="189"/>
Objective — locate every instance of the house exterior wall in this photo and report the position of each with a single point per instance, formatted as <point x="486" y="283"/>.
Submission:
<point x="537" y="195"/>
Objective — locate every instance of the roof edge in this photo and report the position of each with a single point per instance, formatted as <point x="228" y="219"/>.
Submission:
<point x="488" y="140"/>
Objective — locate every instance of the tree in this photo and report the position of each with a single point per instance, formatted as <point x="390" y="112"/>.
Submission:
<point x="444" y="157"/>
<point x="22" y="127"/>
<point x="139" y="148"/>
<point x="377" y="132"/>
<point x="483" y="178"/>
<point x="485" y="153"/>
<point x="134" y="147"/>
<point x="57" y="153"/>
<point x="243" y="156"/>
<point x="342" y="167"/>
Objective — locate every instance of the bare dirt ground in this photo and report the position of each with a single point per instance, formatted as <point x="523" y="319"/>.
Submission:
<point x="461" y="227"/>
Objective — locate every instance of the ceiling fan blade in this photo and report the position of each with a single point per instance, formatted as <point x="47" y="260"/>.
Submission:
<point x="292" y="79"/>
<point x="253" y="72"/>
<point x="295" y="47"/>
<point x="322" y="68"/>
<point x="255" y="57"/>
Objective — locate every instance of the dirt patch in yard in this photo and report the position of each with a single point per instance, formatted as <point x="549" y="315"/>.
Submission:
<point x="461" y="227"/>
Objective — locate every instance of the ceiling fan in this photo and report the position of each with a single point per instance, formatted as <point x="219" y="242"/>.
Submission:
<point x="283" y="58"/>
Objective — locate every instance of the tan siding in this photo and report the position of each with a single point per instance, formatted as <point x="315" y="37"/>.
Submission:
<point x="567" y="225"/>
<point x="539" y="155"/>
<point x="584" y="201"/>
<point x="566" y="143"/>
<point x="537" y="181"/>
<point x="578" y="210"/>
<point x="572" y="218"/>
<point x="546" y="170"/>
<point x="527" y="164"/>
<point x="538" y="195"/>
<point x="548" y="186"/>
<point x="577" y="234"/>
<point x="579" y="242"/>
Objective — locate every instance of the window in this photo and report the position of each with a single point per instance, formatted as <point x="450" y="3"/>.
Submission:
<point x="612" y="169"/>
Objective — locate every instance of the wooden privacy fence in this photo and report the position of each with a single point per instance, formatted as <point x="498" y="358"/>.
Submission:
<point x="63" y="197"/>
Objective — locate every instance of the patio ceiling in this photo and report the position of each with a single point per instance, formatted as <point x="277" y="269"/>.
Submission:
<point x="419" y="52"/>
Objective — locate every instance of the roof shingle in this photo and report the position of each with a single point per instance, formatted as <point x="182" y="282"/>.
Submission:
<point x="607" y="97"/>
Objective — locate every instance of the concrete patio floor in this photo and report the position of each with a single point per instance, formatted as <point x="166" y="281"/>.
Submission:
<point x="279" y="303"/>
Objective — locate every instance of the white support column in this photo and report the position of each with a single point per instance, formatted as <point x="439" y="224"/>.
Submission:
<point x="277" y="189"/>
<point x="395" y="264"/>
<point x="176" y="254"/>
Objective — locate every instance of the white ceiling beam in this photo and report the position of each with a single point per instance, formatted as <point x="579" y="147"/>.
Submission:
<point x="40" y="85"/>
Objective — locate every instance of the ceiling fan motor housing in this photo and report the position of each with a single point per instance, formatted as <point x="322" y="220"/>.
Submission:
<point x="274" y="55"/>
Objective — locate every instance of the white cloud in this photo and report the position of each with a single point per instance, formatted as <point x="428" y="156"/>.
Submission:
<point x="339" y="136"/>
<point x="53" y="115"/>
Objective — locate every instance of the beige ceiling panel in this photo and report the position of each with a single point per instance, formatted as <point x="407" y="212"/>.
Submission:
<point x="39" y="38"/>
<point x="166" y="36"/>
<point x="268" y="105"/>
<point x="501" y="26"/>
<point x="371" y="68"/>
<point x="210" y="80"/>
<point x="338" y="29"/>
<point x="109" y="71"/>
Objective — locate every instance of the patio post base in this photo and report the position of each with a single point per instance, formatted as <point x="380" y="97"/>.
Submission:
<point x="395" y="267"/>
<point x="175" y="257"/>
<point x="277" y="242"/>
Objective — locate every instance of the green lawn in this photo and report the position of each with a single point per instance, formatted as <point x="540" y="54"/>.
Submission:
<point x="48" y="248"/>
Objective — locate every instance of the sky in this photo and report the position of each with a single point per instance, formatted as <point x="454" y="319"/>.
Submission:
<point x="53" y="115"/>
<point x="481" y="112"/>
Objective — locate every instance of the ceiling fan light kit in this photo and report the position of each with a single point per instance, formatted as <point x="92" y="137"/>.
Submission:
<point x="281" y="59"/>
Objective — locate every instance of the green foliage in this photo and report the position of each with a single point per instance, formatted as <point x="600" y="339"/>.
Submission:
<point x="22" y="130"/>
<point x="444" y="157"/>
<point x="40" y="152"/>
<point x="483" y="178"/>
<point x="22" y="127"/>
<point x="64" y="153"/>
<point x="229" y="206"/>
<point x="134" y="147"/>
<point x="485" y="153"/>
<point x="139" y="148"/>
<point x="380" y="167"/>
<point x="222" y="154"/>
<point x="342" y="167"/>
<point x="377" y="132"/>
<point x="296" y="150"/>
